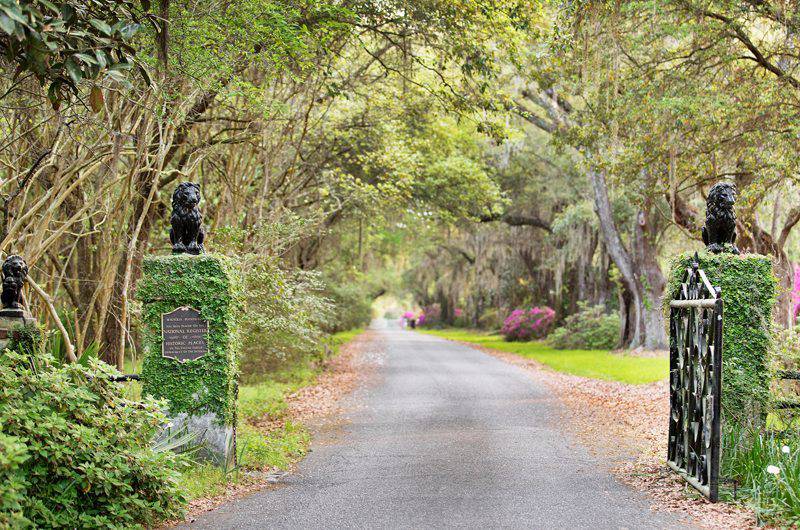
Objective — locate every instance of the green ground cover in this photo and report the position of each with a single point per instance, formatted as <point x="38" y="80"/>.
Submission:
<point x="264" y="400"/>
<point x="596" y="364"/>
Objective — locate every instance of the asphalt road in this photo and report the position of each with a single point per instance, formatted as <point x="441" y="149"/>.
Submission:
<point x="447" y="437"/>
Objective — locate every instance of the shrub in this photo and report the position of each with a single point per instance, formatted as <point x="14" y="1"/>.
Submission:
<point x="287" y="311"/>
<point x="591" y="328"/>
<point x="460" y="318"/>
<point x="431" y="316"/>
<point x="785" y="355"/>
<point x="528" y="324"/>
<point x="12" y="482"/>
<point x="491" y="319"/>
<point x="74" y="453"/>
<point x="352" y="305"/>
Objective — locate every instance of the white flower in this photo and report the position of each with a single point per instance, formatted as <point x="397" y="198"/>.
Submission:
<point x="169" y="425"/>
<point x="785" y="449"/>
<point x="774" y="470"/>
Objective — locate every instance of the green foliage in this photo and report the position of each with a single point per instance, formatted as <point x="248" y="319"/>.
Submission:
<point x="279" y="448"/>
<point x="286" y="313"/>
<point x="594" y="364"/>
<point x="748" y="293"/>
<point x="747" y="457"/>
<point x="208" y="37"/>
<point x="27" y="339"/>
<point x="203" y="480"/>
<point x="13" y="455"/>
<point x="352" y="305"/>
<point x="491" y="319"/>
<point x="591" y="328"/>
<point x="287" y="308"/>
<point x="75" y="453"/>
<point x="62" y="43"/>
<point x="407" y="154"/>
<point x="208" y="283"/>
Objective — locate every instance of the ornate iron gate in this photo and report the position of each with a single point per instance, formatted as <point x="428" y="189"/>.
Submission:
<point x="695" y="367"/>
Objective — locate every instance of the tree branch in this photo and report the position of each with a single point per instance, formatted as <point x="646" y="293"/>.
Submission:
<point x="48" y="301"/>
<point x="518" y="220"/>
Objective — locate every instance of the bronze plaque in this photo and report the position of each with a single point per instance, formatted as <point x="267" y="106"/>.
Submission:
<point x="184" y="334"/>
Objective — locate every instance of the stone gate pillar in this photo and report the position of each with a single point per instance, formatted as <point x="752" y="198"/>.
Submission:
<point x="191" y="346"/>
<point x="191" y="301"/>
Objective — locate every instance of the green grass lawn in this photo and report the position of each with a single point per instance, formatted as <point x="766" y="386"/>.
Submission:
<point x="596" y="364"/>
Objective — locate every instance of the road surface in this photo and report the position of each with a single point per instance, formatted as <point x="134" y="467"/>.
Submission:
<point x="447" y="437"/>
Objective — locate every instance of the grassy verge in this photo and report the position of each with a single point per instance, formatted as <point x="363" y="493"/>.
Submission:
<point x="259" y="450"/>
<point x="766" y="466"/>
<point x="595" y="364"/>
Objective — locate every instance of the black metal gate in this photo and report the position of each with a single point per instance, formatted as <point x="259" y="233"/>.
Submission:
<point x="695" y="368"/>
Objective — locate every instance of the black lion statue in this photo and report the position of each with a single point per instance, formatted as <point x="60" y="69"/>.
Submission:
<point x="186" y="234"/>
<point x="15" y="270"/>
<point x="720" y="228"/>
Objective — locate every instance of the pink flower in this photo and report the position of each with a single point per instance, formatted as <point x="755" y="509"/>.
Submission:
<point x="528" y="324"/>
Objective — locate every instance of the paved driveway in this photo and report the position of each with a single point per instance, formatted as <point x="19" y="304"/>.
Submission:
<point x="448" y="437"/>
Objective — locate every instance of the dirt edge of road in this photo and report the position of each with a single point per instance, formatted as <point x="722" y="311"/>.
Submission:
<point x="316" y="406"/>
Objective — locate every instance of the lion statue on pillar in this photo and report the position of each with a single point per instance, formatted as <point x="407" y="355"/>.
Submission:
<point x="186" y="234"/>
<point x="15" y="271"/>
<point x="720" y="228"/>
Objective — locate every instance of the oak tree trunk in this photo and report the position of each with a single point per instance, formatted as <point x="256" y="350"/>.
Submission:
<point x="641" y="278"/>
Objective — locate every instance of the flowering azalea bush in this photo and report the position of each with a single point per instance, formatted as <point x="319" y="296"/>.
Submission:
<point x="430" y="316"/>
<point x="528" y="324"/>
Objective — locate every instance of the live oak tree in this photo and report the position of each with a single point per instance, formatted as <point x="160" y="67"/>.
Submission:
<point x="237" y="96"/>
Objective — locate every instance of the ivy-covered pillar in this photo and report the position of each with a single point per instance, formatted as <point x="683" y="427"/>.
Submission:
<point x="748" y="284"/>
<point x="191" y="346"/>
